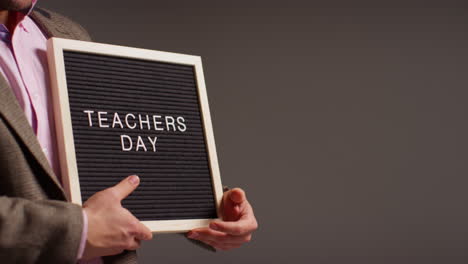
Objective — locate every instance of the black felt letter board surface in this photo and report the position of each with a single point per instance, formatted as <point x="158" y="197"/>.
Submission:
<point x="134" y="116"/>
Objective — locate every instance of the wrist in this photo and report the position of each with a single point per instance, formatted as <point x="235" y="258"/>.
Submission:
<point x="89" y="251"/>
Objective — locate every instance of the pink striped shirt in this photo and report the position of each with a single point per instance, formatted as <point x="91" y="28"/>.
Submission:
<point x="23" y="63"/>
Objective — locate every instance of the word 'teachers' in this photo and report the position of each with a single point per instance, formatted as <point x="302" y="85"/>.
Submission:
<point x="169" y="123"/>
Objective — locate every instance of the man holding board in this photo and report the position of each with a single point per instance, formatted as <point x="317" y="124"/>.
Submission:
<point x="37" y="223"/>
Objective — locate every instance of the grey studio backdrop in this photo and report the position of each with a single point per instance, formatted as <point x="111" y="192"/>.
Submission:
<point x="345" y="123"/>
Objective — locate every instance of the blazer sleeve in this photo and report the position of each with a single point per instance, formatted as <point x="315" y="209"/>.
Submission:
<point x="42" y="231"/>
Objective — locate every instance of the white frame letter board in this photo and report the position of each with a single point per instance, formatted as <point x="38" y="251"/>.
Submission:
<point x="121" y="111"/>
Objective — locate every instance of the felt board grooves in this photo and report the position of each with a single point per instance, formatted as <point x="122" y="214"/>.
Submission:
<point x="175" y="176"/>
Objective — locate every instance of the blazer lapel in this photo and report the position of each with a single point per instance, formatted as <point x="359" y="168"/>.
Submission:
<point x="56" y="25"/>
<point x="43" y="19"/>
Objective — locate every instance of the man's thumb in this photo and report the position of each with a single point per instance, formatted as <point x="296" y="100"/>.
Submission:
<point x="126" y="186"/>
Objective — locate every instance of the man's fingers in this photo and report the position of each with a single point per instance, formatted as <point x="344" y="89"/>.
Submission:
<point x="237" y="228"/>
<point x="142" y="232"/>
<point x="234" y="231"/>
<point x="208" y="234"/>
<point x="134" y="244"/>
<point x="126" y="187"/>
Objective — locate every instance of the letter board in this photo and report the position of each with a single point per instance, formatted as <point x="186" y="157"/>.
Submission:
<point x="121" y="111"/>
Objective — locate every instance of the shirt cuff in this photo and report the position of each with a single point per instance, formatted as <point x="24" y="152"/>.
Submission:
<point x="84" y="236"/>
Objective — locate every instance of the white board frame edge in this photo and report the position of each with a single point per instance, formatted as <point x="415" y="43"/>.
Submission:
<point x="63" y="126"/>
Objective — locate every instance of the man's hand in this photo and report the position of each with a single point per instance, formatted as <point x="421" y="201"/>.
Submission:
<point x="112" y="228"/>
<point x="237" y="226"/>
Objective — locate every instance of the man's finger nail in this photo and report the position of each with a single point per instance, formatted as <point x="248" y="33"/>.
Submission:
<point x="134" y="180"/>
<point x="214" y="226"/>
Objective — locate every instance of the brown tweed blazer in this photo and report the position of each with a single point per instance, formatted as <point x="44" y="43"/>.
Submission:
<point x="37" y="224"/>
